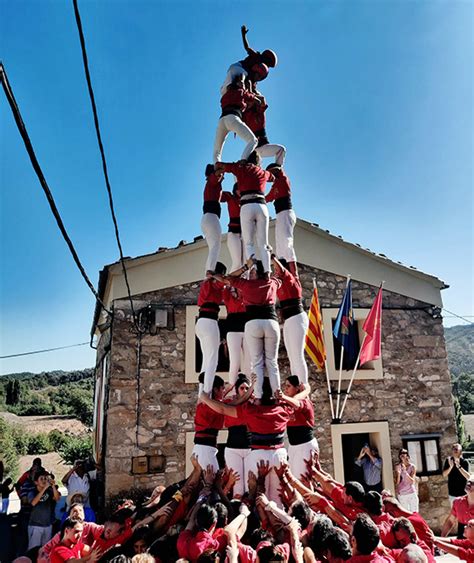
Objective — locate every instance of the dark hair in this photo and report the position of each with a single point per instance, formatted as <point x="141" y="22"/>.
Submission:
<point x="338" y="544"/>
<point x="273" y="166"/>
<point x="235" y="187"/>
<point x="37" y="461"/>
<point x="301" y="511"/>
<point x="220" y="268"/>
<point x="403" y="523"/>
<point x="260" y="269"/>
<point x="73" y="505"/>
<point x="68" y="524"/>
<point x="209" y="556"/>
<point x="366" y="534"/>
<point x="355" y="490"/>
<point x="222" y="514"/>
<point x="269" y="554"/>
<point x="209" y="170"/>
<point x="39" y="473"/>
<point x="241" y="378"/>
<point x="373" y="503"/>
<point x="293" y="380"/>
<point x="259" y="535"/>
<point x="319" y="534"/>
<point x="121" y="558"/>
<point x="252" y="158"/>
<point x="206" y="516"/>
<point x="284" y="263"/>
<point x="218" y="382"/>
<point x="141" y="534"/>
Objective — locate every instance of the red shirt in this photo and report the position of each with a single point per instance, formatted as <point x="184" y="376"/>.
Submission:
<point x="350" y="511"/>
<point x="61" y="553"/>
<point x="191" y="546"/>
<point x="254" y="117"/>
<point x="372" y="558"/>
<point x="395" y="553"/>
<point x="205" y="418"/>
<point x="233" y="205"/>
<point x="210" y="292"/>
<point x="290" y="287"/>
<point x="238" y="98"/>
<point x="466" y="552"/>
<point x="105" y="544"/>
<point x="257" y="292"/>
<point x="213" y="188"/>
<point x="233" y="300"/>
<point x="462" y="510"/>
<point x="384" y="524"/>
<point x="304" y="415"/>
<point x="265" y="419"/>
<point x="281" y="187"/>
<point x="423" y="531"/>
<point x="250" y="177"/>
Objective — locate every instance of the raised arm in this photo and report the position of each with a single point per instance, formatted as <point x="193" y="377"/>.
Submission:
<point x="247" y="47"/>
<point x="217" y="406"/>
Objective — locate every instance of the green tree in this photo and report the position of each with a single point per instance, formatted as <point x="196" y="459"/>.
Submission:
<point x="8" y="453"/>
<point x="77" y="448"/>
<point x="460" y="430"/>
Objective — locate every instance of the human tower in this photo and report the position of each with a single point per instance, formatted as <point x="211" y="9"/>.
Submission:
<point x="252" y="406"/>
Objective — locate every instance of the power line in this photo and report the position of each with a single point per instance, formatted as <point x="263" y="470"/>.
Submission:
<point x="458" y="316"/>
<point x="42" y="351"/>
<point x="39" y="173"/>
<point x="102" y="154"/>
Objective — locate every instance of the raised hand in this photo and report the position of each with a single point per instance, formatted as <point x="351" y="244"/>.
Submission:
<point x="251" y="481"/>
<point x="209" y="475"/>
<point x="263" y="468"/>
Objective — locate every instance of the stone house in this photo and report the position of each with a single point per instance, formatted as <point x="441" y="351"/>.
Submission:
<point x="146" y="386"/>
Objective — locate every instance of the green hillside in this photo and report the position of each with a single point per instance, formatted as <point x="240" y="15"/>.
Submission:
<point x="460" y="347"/>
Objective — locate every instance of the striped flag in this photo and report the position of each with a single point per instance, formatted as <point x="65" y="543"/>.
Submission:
<point x="314" y="344"/>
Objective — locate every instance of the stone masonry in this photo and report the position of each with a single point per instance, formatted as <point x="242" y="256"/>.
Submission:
<point x="150" y="408"/>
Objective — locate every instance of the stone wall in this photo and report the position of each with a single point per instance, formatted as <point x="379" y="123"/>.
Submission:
<point x="149" y="414"/>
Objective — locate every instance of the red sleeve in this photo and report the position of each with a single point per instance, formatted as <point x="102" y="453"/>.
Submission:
<point x="454" y="509"/>
<point x="237" y="282"/>
<point x="277" y="281"/>
<point x="225" y="197"/>
<point x="466" y="554"/>
<point x="242" y="411"/>
<point x="271" y="195"/>
<point x="269" y="176"/>
<point x="231" y="167"/>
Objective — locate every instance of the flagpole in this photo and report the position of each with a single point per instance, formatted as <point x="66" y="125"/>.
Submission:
<point x="340" y="368"/>
<point x="352" y="377"/>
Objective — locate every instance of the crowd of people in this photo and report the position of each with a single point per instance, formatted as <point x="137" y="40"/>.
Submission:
<point x="264" y="502"/>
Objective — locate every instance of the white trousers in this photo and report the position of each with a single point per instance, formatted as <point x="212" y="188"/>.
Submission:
<point x="233" y="71"/>
<point x="262" y="337"/>
<point x="294" y="334"/>
<point x="409" y="502"/>
<point x="275" y="459"/>
<point x="297" y="456"/>
<point x="207" y="330"/>
<point x="277" y="151"/>
<point x="285" y="223"/>
<point x="236" y="459"/>
<point x="207" y="455"/>
<point x="235" y="247"/>
<point x="239" y="357"/>
<point x="233" y="123"/>
<point x="212" y="231"/>
<point x="254" y="222"/>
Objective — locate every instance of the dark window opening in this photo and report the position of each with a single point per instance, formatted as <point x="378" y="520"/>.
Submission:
<point x="351" y="446"/>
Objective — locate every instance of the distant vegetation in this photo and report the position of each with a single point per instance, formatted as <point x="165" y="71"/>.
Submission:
<point x="460" y="346"/>
<point x="49" y="393"/>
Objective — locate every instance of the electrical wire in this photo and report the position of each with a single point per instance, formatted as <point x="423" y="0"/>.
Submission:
<point x="39" y="173"/>
<point x="458" y="316"/>
<point x="43" y="351"/>
<point x="102" y="154"/>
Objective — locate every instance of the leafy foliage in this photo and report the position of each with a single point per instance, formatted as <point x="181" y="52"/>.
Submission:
<point x="79" y="447"/>
<point x="460" y="347"/>
<point x="8" y="452"/>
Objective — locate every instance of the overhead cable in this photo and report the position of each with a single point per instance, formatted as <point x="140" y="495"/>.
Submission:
<point x="43" y="351"/>
<point x="459" y="316"/>
<point x="102" y="154"/>
<point x="39" y="173"/>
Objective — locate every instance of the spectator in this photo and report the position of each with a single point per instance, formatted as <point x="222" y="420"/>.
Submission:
<point x="461" y="512"/>
<point x="405" y="479"/>
<point x="70" y="545"/>
<point x="6" y="487"/>
<point x="42" y="500"/>
<point x="29" y="474"/>
<point x="77" y="480"/>
<point x="77" y="510"/>
<point x="371" y="464"/>
<point x="456" y="469"/>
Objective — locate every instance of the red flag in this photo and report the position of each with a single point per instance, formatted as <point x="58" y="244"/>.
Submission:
<point x="372" y="346"/>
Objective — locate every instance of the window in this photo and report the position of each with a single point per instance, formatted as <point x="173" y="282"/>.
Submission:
<point x="424" y="452"/>
<point x="370" y="370"/>
<point x="347" y="441"/>
<point x="193" y="356"/>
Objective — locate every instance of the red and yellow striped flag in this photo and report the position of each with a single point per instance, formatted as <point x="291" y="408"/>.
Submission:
<point x="314" y="344"/>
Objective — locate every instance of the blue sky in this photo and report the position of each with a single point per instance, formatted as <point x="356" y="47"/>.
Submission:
<point x="373" y="100"/>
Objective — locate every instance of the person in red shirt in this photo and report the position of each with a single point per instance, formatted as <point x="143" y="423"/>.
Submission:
<point x="239" y="358"/>
<point x="254" y="117"/>
<point x="462" y="548"/>
<point x="233" y="103"/>
<point x="404" y="534"/>
<point x="373" y="504"/>
<point x="234" y="232"/>
<point x="462" y="511"/>
<point x="210" y="222"/>
<point x="295" y="325"/>
<point x="262" y="331"/>
<point x="280" y="194"/>
<point x="207" y="327"/>
<point x="364" y="541"/>
<point x="254" y="217"/>
<point x="266" y="423"/>
<point x="206" y="427"/>
<point x="70" y="545"/>
<point x="300" y="427"/>
<point x="237" y="447"/>
<point x="254" y="66"/>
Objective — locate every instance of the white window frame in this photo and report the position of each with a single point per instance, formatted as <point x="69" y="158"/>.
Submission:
<point x="379" y="437"/>
<point x="190" y="374"/>
<point x="372" y="370"/>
